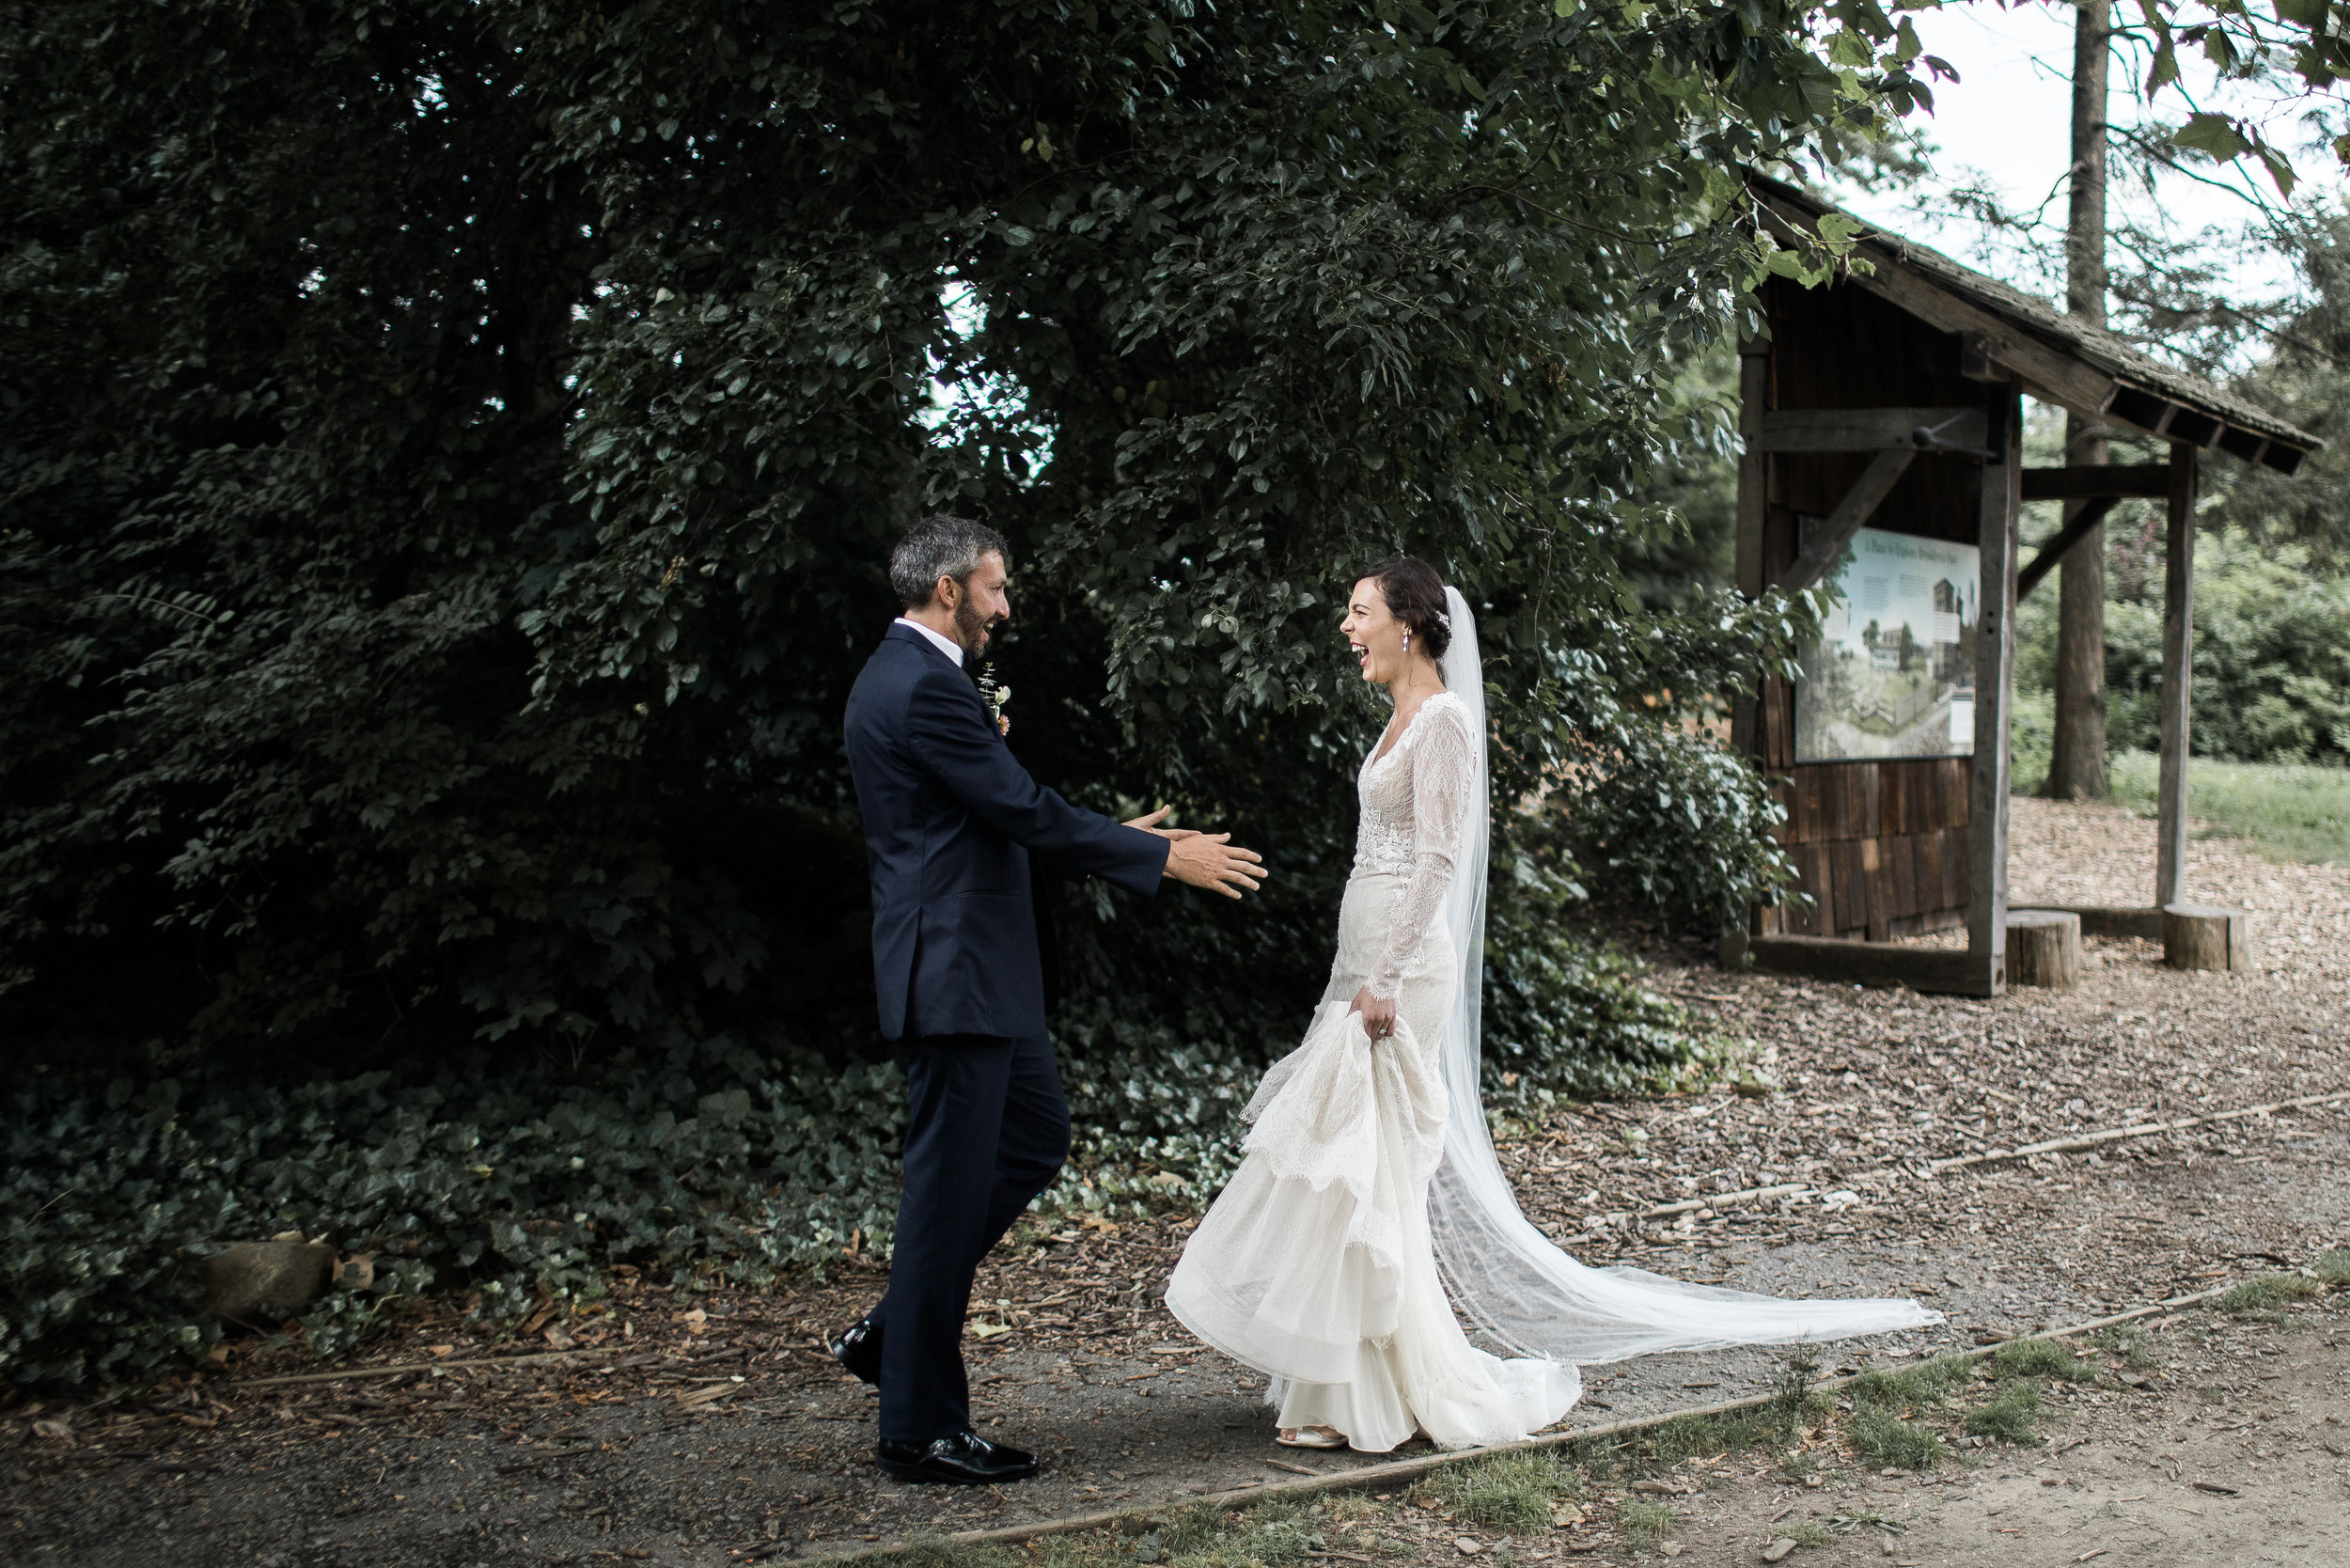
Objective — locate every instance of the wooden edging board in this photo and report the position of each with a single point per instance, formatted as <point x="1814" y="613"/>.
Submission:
<point x="2143" y="1129"/>
<point x="1409" y="1469"/>
<point x="402" y="1367"/>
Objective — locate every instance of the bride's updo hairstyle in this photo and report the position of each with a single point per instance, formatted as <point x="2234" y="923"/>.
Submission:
<point x="1415" y="596"/>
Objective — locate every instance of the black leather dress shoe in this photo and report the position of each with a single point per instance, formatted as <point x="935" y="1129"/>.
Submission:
<point x="858" y="1349"/>
<point x="966" y="1459"/>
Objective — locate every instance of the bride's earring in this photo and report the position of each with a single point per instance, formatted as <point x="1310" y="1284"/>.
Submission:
<point x="1407" y="640"/>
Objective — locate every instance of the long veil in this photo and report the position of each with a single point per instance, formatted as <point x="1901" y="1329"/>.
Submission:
<point x="1506" y="1276"/>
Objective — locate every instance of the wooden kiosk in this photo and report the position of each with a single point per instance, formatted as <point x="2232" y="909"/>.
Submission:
<point x="1891" y="402"/>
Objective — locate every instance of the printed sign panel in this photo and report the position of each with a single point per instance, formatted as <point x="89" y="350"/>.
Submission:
<point x="1893" y="674"/>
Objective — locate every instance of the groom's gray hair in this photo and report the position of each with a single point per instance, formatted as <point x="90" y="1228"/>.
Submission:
<point x="939" y="547"/>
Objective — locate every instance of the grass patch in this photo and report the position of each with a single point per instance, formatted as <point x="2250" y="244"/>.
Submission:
<point x="1512" y="1492"/>
<point x="2010" y="1416"/>
<point x="1644" y="1521"/>
<point x="1807" y="1533"/>
<point x="2126" y="1344"/>
<point x="1271" y="1533"/>
<point x="2037" y="1358"/>
<point x="2334" y="1267"/>
<point x="1919" y="1388"/>
<point x="1732" y="1431"/>
<point x="1883" y="1438"/>
<point x="2263" y="1298"/>
<point x="2292" y="813"/>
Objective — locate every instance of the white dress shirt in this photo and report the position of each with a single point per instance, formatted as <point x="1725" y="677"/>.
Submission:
<point x="947" y="646"/>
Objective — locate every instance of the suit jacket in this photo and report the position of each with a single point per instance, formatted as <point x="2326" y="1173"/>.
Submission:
<point x="950" y="824"/>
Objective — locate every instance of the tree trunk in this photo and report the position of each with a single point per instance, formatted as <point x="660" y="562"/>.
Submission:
<point x="2076" y="771"/>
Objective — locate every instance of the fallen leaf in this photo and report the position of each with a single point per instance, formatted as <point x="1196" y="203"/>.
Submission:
<point x="58" y="1430"/>
<point x="1777" y="1551"/>
<point x="1466" y="1546"/>
<point x="2214" y="1488"/>
<point x="440" y="1350"/>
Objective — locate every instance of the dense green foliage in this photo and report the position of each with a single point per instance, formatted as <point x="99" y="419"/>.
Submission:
<point x="451" y="448"/>
<point x="2271" y="652"/>
<point x="696" y="1164"/>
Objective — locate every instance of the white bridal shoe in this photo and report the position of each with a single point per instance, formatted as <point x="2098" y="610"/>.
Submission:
<point x="1310" y="1437"/>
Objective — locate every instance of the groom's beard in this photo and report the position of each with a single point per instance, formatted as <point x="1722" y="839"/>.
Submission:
<point x="972" y="628"/>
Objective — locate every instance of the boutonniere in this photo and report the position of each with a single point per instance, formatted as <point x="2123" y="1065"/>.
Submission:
<point x="996" y="695"/>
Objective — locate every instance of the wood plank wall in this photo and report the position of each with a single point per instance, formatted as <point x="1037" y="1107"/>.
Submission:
<point x="1881" y="847"/>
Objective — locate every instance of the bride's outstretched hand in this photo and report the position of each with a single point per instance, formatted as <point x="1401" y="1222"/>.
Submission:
<point x="1378" y="1016"/>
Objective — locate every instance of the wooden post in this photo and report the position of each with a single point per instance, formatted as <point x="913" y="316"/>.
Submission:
<point x="2000" y="505"/>
<point x="2178" y="654"/>
<point x="1754" y="382"/>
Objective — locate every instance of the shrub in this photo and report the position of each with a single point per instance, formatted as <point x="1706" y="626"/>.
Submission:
<point x="520" y="1189"/>
<point x="2272" y="658"/>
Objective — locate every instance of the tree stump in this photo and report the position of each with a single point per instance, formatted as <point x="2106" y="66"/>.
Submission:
<point x="2044" y="948"/>
<point x="2207" y="936"/>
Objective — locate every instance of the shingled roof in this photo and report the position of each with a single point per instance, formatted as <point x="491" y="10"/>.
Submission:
<point x="2064" y="361"/>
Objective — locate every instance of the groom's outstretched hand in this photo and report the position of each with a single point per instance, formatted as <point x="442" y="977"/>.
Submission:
<point x="1209" y="860"/>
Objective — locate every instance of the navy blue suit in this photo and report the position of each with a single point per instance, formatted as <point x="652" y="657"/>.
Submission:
<point x="952" y="823"/>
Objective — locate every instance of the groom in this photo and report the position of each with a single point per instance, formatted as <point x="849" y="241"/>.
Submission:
<point x="954" y="828"/>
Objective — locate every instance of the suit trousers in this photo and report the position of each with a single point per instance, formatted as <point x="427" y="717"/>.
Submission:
<point x="986" y="1131"/>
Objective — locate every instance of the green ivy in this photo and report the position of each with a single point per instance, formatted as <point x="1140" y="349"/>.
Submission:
<point x="520" y="1189"/>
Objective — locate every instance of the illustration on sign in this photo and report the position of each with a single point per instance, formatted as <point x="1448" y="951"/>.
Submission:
<point x="1893" y="674"/>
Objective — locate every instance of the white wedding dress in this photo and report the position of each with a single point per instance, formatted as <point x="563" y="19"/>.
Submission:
<point x="1367" y="1163"/>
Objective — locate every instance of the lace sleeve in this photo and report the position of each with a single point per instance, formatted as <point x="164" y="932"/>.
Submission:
<point x="1443" y="767"/>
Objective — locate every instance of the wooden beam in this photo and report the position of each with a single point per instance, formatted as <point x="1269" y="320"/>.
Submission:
<point x="1860" y="504"/>
<point x="2178" y="652"/>
<point x="1999" y="508"/>
<point x="2091" y="513"/>
<point x="1829" y="958"/>
<point x="1870" y="430"/>
<point x="2086" y="480"/>
<point x="2112" y="920"/>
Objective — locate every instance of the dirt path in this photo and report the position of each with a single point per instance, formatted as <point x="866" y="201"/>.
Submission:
<point x="645" y="1447"/>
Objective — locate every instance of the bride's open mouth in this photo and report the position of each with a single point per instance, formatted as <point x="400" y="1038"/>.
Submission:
<point x="1362" y="654"/>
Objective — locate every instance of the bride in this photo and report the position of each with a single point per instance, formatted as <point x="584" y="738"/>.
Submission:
<point x="1369" y="1163"/>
